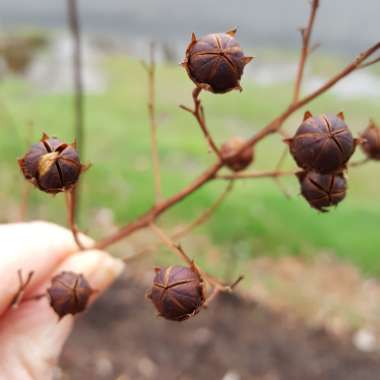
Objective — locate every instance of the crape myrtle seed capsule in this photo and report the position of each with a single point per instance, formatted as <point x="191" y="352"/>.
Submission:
<point x="51" y="165"/>
<point x="241" y="161"/>
<point x="177" y="292"/>
<point x="371" y="141"/>
<point x="322" y="143"/>
<point x="69" y="293"/>
<point x="215" y="62"/>
<point x="322" y="191"/>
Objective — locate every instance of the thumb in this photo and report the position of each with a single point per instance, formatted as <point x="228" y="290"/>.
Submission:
<point x="31" y="336"/>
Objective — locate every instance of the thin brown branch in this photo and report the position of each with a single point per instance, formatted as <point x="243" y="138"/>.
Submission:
<point x="74" y="25"/>
<point x="185" y="230"/>
<point x="251" y="175"/>
<point x="151" y="71"/>
<point x="305" y="51"/>
<point x="79" y="132"/>
<point x="369" y="63"/>
<point x="17" y="298"/>
<point x="175" y="248"/>
<point x="278" y="168"/>
<point x="199" y="114"/>
<point x="151" y="215"/>
<point x="70" y="196"/>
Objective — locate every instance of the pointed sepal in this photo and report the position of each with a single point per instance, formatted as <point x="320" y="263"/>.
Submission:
<point x="247" y="60"/>
<point x="44" y="137"/>
<point x="232" y="32"/>
<point x="307" y="115"/>
<point x="340" y="116"/>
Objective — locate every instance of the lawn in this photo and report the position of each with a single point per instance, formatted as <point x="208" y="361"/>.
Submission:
<point x="256" y="219"/>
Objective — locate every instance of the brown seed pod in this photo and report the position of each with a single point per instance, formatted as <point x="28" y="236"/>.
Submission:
<point x="322" y="143"/>
<point x="177" y="292"/>
<point x="215" y="62"/>
<point x="230" y="148"/>
<point x="322" y="190"/>
<point x="371" y="141"/>
<point x="69" y="293"/>
<point x="51" y="165"/>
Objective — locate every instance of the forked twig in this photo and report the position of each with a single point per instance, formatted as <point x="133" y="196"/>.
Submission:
<point x="185" y="230"/>
<point x="22" y="285"/>
<point x="305" y="51"/>
<point x="199" y="114"/>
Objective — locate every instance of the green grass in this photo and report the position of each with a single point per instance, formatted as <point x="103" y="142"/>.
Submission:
<point x="255" y="220"/>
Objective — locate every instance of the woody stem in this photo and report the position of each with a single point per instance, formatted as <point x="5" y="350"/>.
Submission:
<point x="70" y="196"/>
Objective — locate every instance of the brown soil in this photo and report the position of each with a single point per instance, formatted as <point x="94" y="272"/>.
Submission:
<point x="235" y="339"/>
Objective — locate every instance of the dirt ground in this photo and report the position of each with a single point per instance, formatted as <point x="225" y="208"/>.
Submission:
<point x="235" y="339"/>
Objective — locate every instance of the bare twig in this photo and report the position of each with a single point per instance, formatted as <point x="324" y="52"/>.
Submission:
<point x="306" y="34"/>
<point x="147" y="218"/>
<point x="17" y="298"/>
<point x="198" y="113"/>
<point x="74" y="25"/>
<point x="369" y="63"/>
<point x="185" y="230"/>
<point x="175" y="248"/>
<point x="263" y="174"/>
<point x="70" y="205"/>
<point x="151" y="71"/>
<point x="79" y="133"/>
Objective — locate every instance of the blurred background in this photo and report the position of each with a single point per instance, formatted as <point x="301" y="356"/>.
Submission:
<point x="309" y="306"/>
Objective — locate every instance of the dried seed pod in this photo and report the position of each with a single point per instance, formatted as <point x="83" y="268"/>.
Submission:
<point x="177" y="292"/>
<point x="51" y="165"/>
<point x="230" y="148"/>
<point x="69" y="293"/>
<point x="371" y="141"/>
<point x="215" y="62"/>
<point x="323" y="144"/>
<point x="322" y="190"/>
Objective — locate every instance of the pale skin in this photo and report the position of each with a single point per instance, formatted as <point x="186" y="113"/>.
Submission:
<point x="31" y="338"/>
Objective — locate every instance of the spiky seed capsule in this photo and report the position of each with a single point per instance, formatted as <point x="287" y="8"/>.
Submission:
<point x="51" y="165"/>
<point x="69" y="293"/>
<point x="323" y="144"/>
<point x="322" y="190"/>
<point x="177" y="292"/>
<point x="371" y="141"/>
<point x="215" y="62"/>
<point x="241" y="161"/>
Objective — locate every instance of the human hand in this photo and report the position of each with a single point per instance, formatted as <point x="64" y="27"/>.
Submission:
<point x="31" y="338"/>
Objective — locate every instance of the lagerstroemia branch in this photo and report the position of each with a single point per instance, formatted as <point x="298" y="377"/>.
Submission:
<point x="321" y="147"/>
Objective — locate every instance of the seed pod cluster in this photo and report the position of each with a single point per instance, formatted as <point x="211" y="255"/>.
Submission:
<point x="242" y="160"/>
<point x="216" y="62"/>
<point x="322" y="190"/>
<point x="371" y="141"/>
<point x="51" y="165"/>
<point x="69" y="293"/>
<point x="322" y="146"/>
<point x="177" y="292"/>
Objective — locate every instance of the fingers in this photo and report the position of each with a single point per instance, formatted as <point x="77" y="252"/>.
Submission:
<point x="31" y="336"/>
<point x="36" y="246"/>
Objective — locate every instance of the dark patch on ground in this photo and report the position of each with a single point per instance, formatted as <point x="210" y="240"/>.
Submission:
<point x="121" y="336"/>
